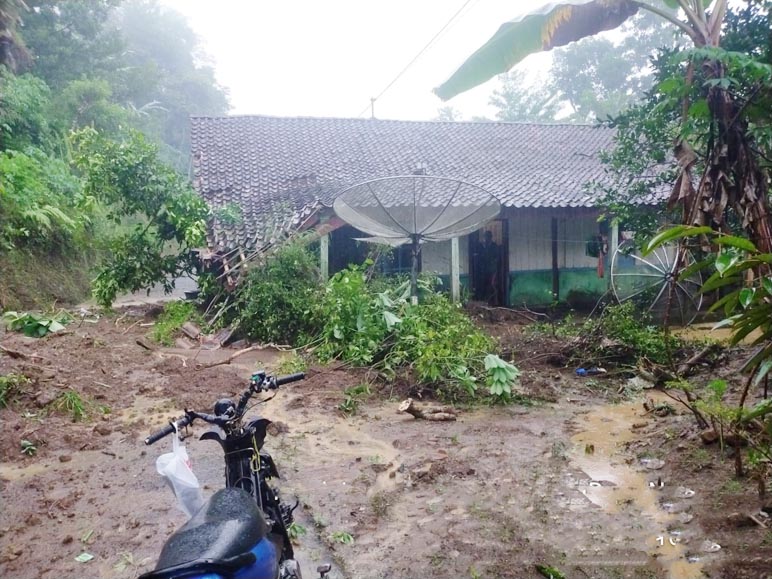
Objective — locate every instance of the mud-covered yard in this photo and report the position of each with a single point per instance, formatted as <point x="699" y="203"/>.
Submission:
<point x="581" y="479"/>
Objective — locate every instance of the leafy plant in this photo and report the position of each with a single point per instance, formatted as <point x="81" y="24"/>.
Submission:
<point x="745" y="273"/>
<point x="295" y="531"/>
<point x="28" y="447"/>
<point x="342" y="537"/>
<point x="36" y="325"/>
<point x="277" y="301"/>
<point x="353" y="396"/>
<point x="174" y="315"/>
<point x="501" y="376"/>
<point x="41" y="203"/>
<point x="373" y="323"/>
<point x="72" y="403"/>
<point x="11" y="387"/>
<point x="169" y="218"/>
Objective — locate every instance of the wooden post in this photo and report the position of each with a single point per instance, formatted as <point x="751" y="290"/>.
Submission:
<point x="555" y="270"/>
<point x="455" y="271"/>
<point x="324" y="256"/>
<point x="613" y="245"/>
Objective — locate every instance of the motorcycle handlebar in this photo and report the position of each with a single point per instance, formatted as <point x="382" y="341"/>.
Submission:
<point x="168" y="429"/>
<point x="272" y="383"/>
<point x="290" y="378"/>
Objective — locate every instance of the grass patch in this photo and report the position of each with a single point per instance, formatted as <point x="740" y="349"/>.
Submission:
<point x="291" y="364"/>
<point x="33" y="280"/>
<point x="11" y="388"/>
<point x="72" y="403"/>
<point x="170" y="321"/>
<point x="732" y="487"/>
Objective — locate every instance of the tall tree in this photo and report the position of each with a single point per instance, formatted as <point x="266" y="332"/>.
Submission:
<point x="71" y="39"/>
<point x="526" y="103"/>
<point x="167" y="75"/>
<point x="13" y="51"/>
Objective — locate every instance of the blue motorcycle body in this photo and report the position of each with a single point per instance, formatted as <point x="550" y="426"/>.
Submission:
<point x="228" y="538"/>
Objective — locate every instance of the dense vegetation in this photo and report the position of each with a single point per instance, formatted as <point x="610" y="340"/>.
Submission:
<point x="368" y="321"/>
<point x="131" y="73"/>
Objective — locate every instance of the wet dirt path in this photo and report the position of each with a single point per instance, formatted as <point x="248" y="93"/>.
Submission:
<point x="630" y="489"/>
<point x="382" y="494"/>
<point x="492" y="494"/>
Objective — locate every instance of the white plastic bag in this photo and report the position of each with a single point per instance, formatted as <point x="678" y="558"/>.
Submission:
<point x="175" y="468"/>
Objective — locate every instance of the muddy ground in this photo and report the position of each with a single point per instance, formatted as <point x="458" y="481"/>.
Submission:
<point x="580" y="478"/>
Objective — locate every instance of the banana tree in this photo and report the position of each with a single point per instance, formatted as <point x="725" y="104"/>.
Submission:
<point x="732" y="177"/>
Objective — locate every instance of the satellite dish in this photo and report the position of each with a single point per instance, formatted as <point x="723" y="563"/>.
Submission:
<point x="415" y="209"/>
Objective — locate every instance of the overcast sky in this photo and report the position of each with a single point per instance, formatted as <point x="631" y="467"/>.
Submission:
<point x="328" y="57"/>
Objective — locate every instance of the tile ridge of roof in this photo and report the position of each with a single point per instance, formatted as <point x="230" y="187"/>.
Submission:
<point x="410" y="121"/>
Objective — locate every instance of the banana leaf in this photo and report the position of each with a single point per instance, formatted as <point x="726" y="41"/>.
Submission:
<point x="552" y="25"/>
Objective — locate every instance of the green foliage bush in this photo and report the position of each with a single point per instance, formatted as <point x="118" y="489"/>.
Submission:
<point x="127" y="176"/>
<point x="433" y="343"/>
<point x="625" y="323"/>
<point x="277" y="302"/>
<point x="41" y="203"/>
<point x="371" y="322"/>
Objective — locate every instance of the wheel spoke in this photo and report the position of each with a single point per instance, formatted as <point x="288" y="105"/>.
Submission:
<point x="651" y="265"/>
<point x="639" y="292"/>
<point x="658" y="276"/>
<point x="691" y="298"/>
<point x="659" y="295"/>
<point x="659" y="259"/>
<point x="680" y="305"/>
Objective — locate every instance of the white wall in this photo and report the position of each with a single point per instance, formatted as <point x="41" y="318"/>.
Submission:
<point x="530" y="241"/>
<point x="530" y="238"/>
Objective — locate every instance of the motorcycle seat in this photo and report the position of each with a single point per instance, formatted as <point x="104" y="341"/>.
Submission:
<point x="228" y="525"/>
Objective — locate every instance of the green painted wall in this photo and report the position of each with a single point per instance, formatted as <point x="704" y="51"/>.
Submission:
<point x="579" y="287"/>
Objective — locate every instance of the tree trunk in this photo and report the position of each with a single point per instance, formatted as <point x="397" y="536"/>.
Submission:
<point x="427" y="412"/>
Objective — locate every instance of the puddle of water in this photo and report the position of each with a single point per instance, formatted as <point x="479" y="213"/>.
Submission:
<point x="705" y="331"/>
<point x="616" y="487"/>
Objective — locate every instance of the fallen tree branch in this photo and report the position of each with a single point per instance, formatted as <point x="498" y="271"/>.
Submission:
<point x="241" y="352"/>
<point x="444" y="413"/>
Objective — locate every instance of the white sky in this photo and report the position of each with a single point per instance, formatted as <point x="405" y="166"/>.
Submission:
<point x="326" y="58"/>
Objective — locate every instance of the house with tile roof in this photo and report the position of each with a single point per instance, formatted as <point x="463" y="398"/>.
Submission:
<point x="281" y="174"/>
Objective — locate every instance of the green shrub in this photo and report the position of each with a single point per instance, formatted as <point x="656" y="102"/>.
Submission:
<point x="625" y="323"/>
<point x="277" y="301"/>
<point x="433" y="343"/>
<point x="41" y="203"/>
<point x="175" y="314"/>
<point x="355" y="318"/>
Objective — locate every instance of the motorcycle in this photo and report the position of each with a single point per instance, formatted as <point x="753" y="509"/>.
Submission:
<point x="241" y="532"/>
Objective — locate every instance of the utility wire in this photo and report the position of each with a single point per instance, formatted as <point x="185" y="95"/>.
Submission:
<point x="416" y="57"/>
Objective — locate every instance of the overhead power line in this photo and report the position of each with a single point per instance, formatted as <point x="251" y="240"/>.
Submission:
<point x="416" y="57"/>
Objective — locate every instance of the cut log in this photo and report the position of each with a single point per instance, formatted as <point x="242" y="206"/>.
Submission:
<point x="444" y="413"/>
